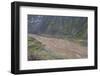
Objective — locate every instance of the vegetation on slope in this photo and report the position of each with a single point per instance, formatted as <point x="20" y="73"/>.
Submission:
<point x="37" y="51"/>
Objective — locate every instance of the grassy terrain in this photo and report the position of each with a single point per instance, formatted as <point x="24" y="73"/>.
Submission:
<point x="59" y="48"/>
<point x="78" y="40"/>
<point x="37" y="51"/>
<point x="34" y="47"/>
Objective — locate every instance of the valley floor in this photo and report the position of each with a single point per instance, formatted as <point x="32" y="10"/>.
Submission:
<point x="54" y="48"/>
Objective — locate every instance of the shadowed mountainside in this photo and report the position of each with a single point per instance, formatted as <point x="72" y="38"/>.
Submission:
<point x="74" y="27"/>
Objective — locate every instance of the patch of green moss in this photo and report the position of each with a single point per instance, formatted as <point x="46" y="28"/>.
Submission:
<point x="34" y="45"/>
